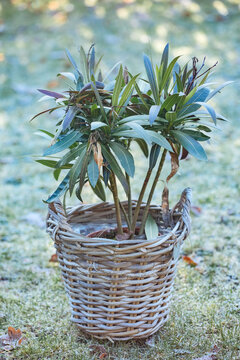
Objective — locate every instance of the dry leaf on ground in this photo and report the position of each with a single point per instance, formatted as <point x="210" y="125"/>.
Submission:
<point x="11" y="340"/>
<point x="196" y="210"/>
<point x="189" y="260"/>
<point x="99" y="350"/>
<point x="53" y="258"/>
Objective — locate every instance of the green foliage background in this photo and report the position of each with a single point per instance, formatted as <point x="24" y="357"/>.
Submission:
<point x="33" y="35"/>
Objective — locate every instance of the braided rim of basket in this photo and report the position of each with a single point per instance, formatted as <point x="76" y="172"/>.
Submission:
<point x="59" y="223"/>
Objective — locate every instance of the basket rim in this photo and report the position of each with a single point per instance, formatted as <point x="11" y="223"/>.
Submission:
<point x="63" y="226"/>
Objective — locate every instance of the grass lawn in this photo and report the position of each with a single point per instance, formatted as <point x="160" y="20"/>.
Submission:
<point x="205" y="310"/>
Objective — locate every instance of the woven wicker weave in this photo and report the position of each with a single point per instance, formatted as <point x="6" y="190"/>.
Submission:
<point x="118" y="289"/>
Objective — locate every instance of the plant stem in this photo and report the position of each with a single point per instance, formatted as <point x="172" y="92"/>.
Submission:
<point x="145" y="213"/>
<point x="139" y="202"/>
<point x="125" y="215"/>
<point x="129" y="201"/>
<point x="116" y="202"/>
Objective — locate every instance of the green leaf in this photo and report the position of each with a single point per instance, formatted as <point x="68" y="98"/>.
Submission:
<point x="60" y="190"/>
<point x="52" y="164"/>
<point x="153" y="113"/>
<point x="92" y="62"/>
<point x="72" y="61"/>
<point x="151" y="228"/>
<point x="99" y="101"/>
<point x="197" y="135"/>
<point x="210" y="110"/>
<point x="56" y="173"/>
<point x="68" y="75"/>
<point x="63" y="144"/>
<point x="124" y="156"/>
<point x="127" y="92"/>
<point x="84" y="61"/>
<point x="93" y="172"/>
<point x="118" y="87"/>
<point x="159" y="139"/>
<point x="134" y="118"/>
<point x="99" y="190"/>
<point x="164" y="60"/>
<point x="170" y="101"/>
<point x="69" y="116"/>
<point x="214" y="92"/>
<point x="143" y="146"/>
<point x="76" y="169"/>
<point x="71" y="155"/>
<point x="97" y="124"/>
<point x="115" y="168"/>
<point x="168" y="72"/>
<point x="151" y="78"/>
<point x="191" y="145"/>
<point x="192" y="104"/>
<point x="140" y="131"/>
<point x="154" y="153"/>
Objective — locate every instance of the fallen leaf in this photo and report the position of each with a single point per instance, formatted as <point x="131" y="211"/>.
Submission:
<point x="53" y="258"/>
<point x="189" y="260"/>
<point x="99" y="350"/>
<point x="196" y="210"/>
<point x="11" y="340"/>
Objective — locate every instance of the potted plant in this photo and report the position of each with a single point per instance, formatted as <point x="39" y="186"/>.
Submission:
<point x="119" y="277"/>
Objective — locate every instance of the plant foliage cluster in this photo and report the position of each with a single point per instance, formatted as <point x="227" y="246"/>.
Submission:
<point x="168" y="111"/>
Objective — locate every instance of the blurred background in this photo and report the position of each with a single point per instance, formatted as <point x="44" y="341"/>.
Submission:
<point x="33" y="37"/>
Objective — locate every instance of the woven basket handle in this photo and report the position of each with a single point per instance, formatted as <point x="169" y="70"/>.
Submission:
<point x="184" y="206"/>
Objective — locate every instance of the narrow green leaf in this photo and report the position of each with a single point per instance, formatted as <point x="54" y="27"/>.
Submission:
<point x="151" y="78"/>
<point x="52" y="164"/>
<point x="159" y="139"/>
<point x="71" y="155"/>
<point x="63" y="144"/>
<point x="124" y="156"/>
<point x="76" y="169"/>
<point x="214" y="92"/>
<point x="164" y="60"/>
<point x="68" y="75"/>
<point x="151" y="228"/>
<point x="191" y="145"/>
<point x="210" y="110"/>
<point x="153" y="113"/>
<point x="154" y="154"/>
<point x="93" y="172"/>
<point x="56" y="173"/>
<point x="72" y="61"/>
<point x="140" y="131"/>
<point x="170" y="101"/>
<point x="115" y="168"/>
<point x="97" y="124"/>
<point x="60" y="190"/>
<point x="167" y="75"/>
<point x="143" y="146"/>
<point x="118" y="87"/>
<point x="69" y="116"/>
<point x="99" y="190"/>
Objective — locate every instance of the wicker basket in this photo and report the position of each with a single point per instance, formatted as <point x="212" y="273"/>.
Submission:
<point x="118" y="290"/>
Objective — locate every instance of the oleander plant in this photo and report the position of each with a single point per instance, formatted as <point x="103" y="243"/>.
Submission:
<point x="166" y="111"/>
